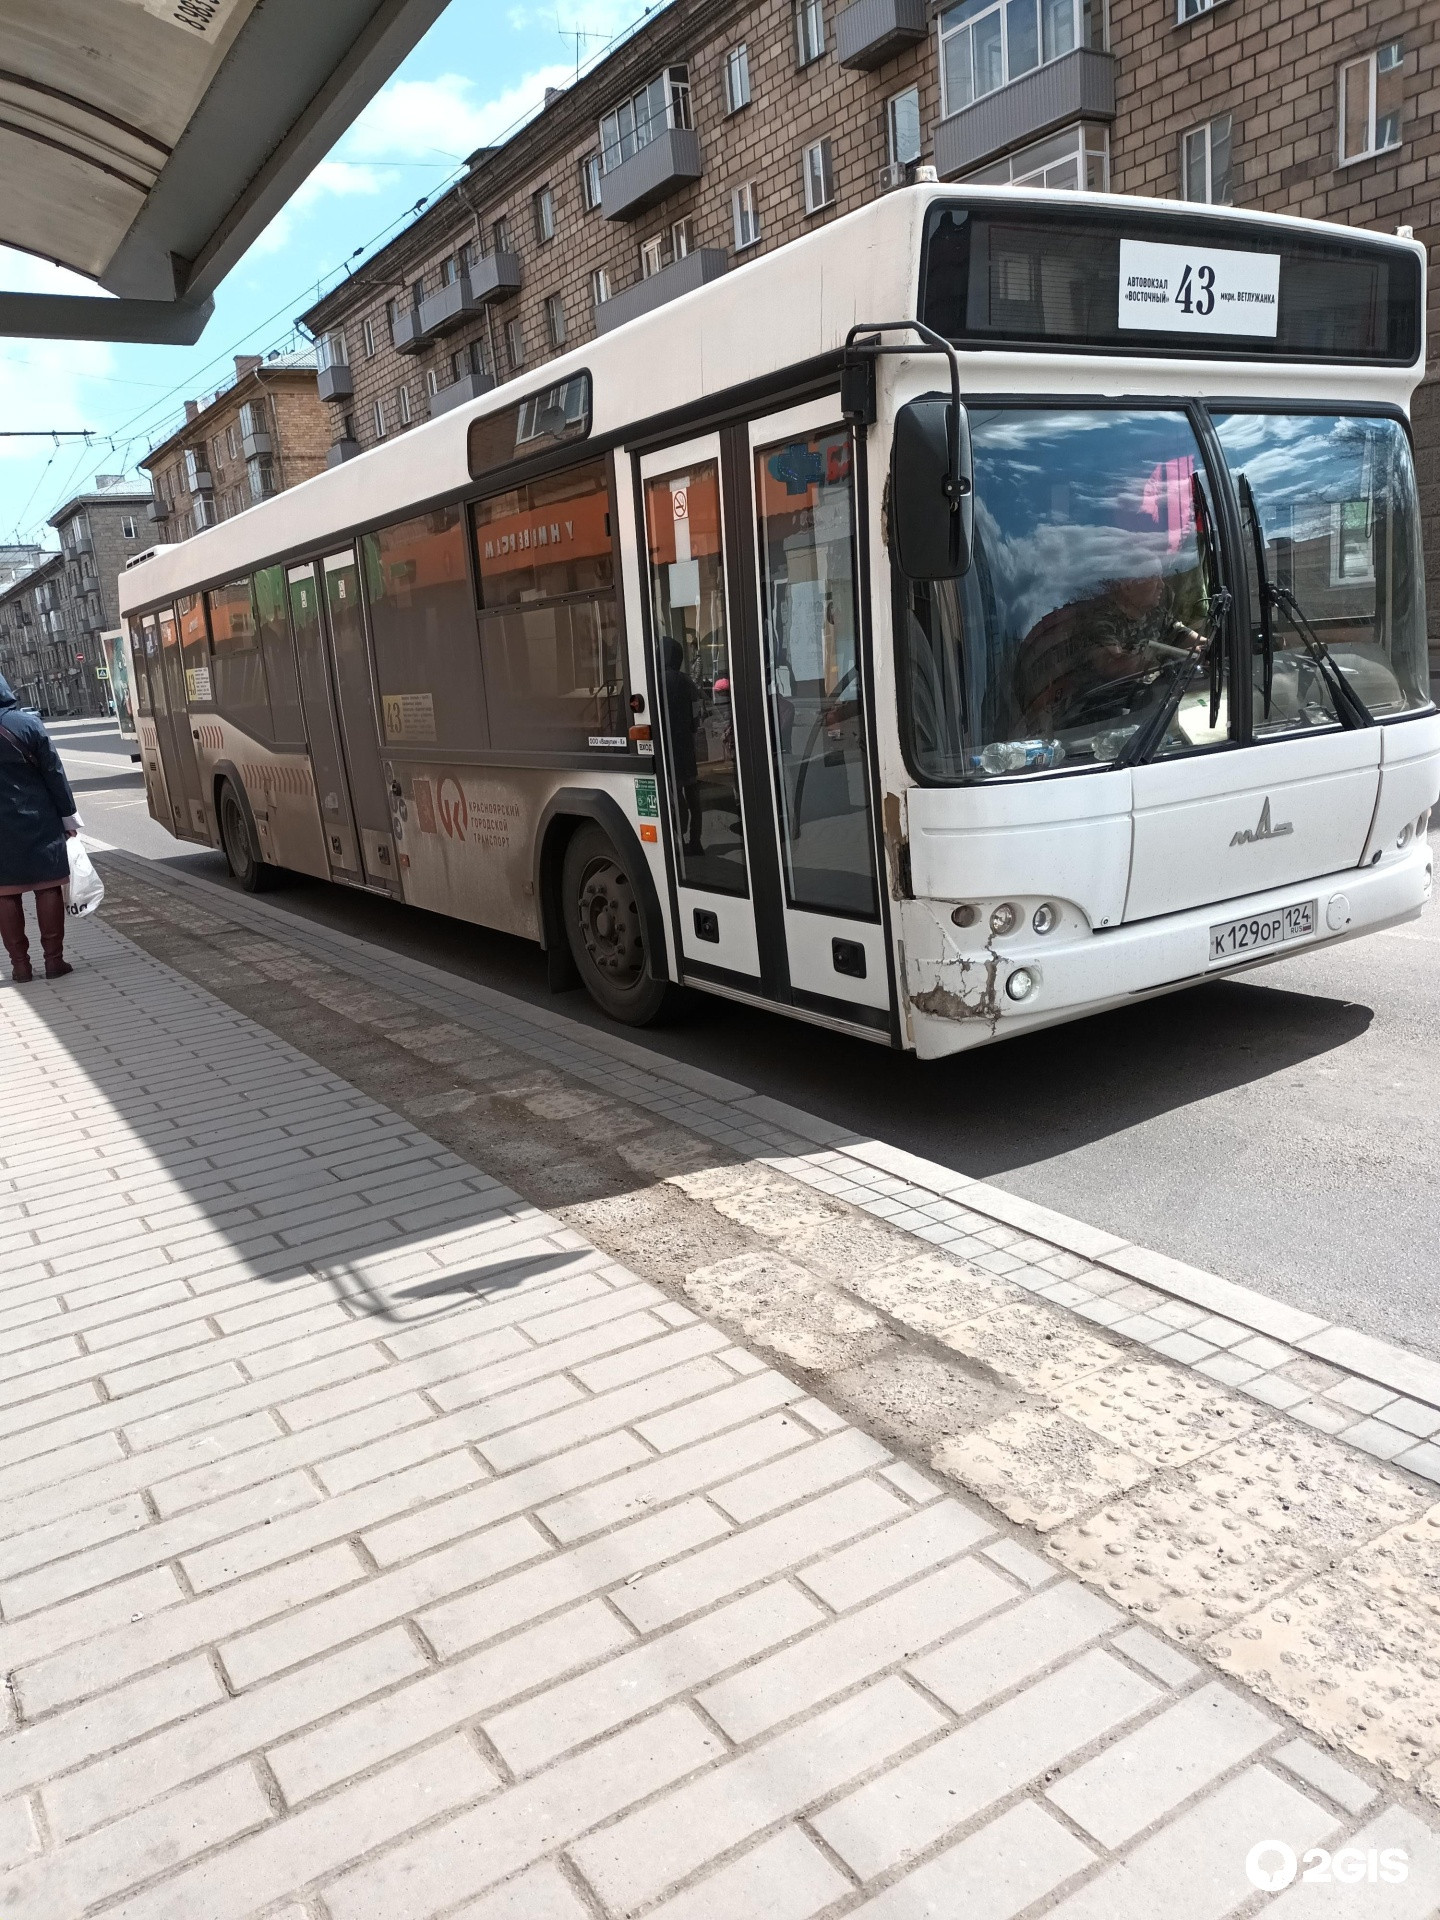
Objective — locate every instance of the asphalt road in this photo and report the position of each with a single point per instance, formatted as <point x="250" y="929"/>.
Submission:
<point x="1280" y="1129"/>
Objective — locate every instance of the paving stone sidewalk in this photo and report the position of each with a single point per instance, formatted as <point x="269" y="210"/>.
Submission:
<point x="373" y="1543"/>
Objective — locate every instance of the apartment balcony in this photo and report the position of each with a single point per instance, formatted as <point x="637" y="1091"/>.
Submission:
<point x="469" y="386"/>
<point x="342" y="450"/>
<point x="870" y="32"/>
<point x="77" y="544"/>
<point x="200" y="481"/>
<point x="671" y="161"/>
<point x="681" y="276"/>
<point x="160" y="511"/>
<point x="493" y="277"/>
<point x="335" y="383"/>
<point x="1078" y="85"/>
<point x="257" y="446"/>
<point x="407" y="335"/>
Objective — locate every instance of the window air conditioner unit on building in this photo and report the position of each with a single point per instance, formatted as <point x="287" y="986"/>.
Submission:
<point x="890" y="177"/>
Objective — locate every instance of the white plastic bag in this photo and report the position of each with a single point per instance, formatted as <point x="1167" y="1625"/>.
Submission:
<point x="86" y="889"/>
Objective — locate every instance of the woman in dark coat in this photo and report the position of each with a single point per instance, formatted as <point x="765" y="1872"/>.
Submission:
<point x="37" y="817"/>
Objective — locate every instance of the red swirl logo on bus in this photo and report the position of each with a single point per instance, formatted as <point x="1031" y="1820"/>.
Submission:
<point x="454" y="808"/>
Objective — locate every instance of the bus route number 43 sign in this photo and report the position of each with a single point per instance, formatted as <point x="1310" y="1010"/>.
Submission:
<point x="1195" y="290"/>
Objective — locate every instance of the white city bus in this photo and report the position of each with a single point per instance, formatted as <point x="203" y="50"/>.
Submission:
<point x="994" y="607"/>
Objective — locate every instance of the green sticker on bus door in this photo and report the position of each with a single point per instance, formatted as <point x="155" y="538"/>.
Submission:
<point x="647" y="798"/>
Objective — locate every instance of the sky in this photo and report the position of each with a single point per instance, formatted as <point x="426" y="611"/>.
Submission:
<point x="480" y="71"/>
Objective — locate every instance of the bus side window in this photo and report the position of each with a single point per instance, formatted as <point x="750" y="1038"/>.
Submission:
<point x="195" y="649"/>
<point x="240" y="692"/>
<point x="550" y="633"/>
<point x="422" y="619"/>
<point x="272" y="624"/>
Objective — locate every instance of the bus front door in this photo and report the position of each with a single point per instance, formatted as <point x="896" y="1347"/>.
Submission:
<point x="760" y="703"/>
<point x="332" y="783"/>
<point x="177" y="743"/>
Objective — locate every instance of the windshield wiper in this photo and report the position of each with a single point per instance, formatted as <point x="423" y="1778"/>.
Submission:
<point x="1350" y="708"/>
<point x="1209" y="648"/>
<point x="1348" y="704"/>
<point x="1262" y="576"/>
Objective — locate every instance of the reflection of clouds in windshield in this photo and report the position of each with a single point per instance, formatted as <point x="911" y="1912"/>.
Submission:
<point x="1060" y="517"/>
<point x="1301" y="461"/>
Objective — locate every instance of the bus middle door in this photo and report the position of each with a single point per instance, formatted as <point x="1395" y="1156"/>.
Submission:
<point x="356" y="707"/>
<point x="177" y="740"/>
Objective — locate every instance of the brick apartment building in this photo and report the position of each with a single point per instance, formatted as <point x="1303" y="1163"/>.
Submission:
<point x="719" y="129"/>
<point x="263" y="431"/>
<point x="52" y="616"/>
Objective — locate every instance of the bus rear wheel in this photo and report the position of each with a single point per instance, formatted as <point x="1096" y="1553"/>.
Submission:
<point x="241" y="854"/>
<point x="606" y="931"/>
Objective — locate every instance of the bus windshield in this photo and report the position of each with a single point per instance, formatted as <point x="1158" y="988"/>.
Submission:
<point x="1088" y="586"/>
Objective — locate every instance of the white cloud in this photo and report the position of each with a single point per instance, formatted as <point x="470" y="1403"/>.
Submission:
<point x="414" y="132"/>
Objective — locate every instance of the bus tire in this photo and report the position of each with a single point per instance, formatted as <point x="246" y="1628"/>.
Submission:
<point x="242" y="856"/>
<point x="606" y="931"/>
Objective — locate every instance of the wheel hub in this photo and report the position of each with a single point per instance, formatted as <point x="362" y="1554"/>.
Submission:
<point x="610" y="924"/>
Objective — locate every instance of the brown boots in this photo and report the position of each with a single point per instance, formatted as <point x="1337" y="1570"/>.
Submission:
<point x="50" y="912"/>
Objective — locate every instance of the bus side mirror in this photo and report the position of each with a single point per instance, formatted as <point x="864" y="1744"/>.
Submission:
<point x="931" y="507"/>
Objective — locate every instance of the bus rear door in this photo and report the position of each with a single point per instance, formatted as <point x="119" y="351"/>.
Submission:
<point x="177" y="745"/>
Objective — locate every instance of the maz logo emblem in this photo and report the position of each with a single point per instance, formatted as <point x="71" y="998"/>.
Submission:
<point x="1264" y="830"/>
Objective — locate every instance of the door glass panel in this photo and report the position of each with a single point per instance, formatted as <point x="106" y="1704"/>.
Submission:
<point x="357" y="699"/>
<point x="692" y="637"/>
<point x="1086" y="595"/>
<point x="170" y="663"/>
<point x="805" y="509"/>
<point x="153" y="673"/>
<point x="195" y="649"/>
<point x="287" y="721"/>
<point x="330" y="782"/>
<point x="1331" y="520"/>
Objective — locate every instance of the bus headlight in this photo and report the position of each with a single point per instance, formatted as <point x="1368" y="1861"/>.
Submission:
<point x="1004" y="918"/>
<point x="1021" y="984"/>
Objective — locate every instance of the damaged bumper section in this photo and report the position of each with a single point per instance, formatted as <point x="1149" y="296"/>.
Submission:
<point x="965" y="986"/>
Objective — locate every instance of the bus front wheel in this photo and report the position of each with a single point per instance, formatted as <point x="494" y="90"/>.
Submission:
<point x="606" y="931"/>
<point x="241" y="853"/>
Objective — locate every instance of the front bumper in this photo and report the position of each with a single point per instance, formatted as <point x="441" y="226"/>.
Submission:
<point x="956" y="989"/>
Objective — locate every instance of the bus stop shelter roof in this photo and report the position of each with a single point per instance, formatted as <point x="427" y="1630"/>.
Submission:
<point x="147" y="143"/>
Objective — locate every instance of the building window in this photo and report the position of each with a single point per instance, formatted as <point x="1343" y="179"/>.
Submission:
<point x="1370" y="90"/>
<point x="432" y="377"/>
<point x="652" y="257"/>
<point x="819" y="169"/>
<point x="127" y="528"/>
<point x="982" y="49"/>
<point x="217" y="450"/>
<point x="368" y="330"/>
<point x="261" y="475"/>
<point x="599" y="287"/>
<point x="737" y="78"/>
<point x="448" y="271"/>
<point x="515" y="344"/>
<point x="555" y="320"/>
<point x="1192" y="9"/>
<point x="466" y="256"/>
<point x="747" y="216"/>
<point x="478" y="358"/>
<point x="1205" y="163"/>
<point x="379" y="417"/>
<point x="402" y="405"/>
<point x="590" y="182"/>
<point x="682" y="239"/>
<point x="1078" y="157"/>
<point x="232" y="441"/>
<point x="392" y="314"/>
<point x="645" y="116"/>
<point x="809" y="31"/>
<point x="543" y="206"/>
<point x="501" y="235"/>
<point x="332" y="350"/>
<point x="902" y="127"/>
